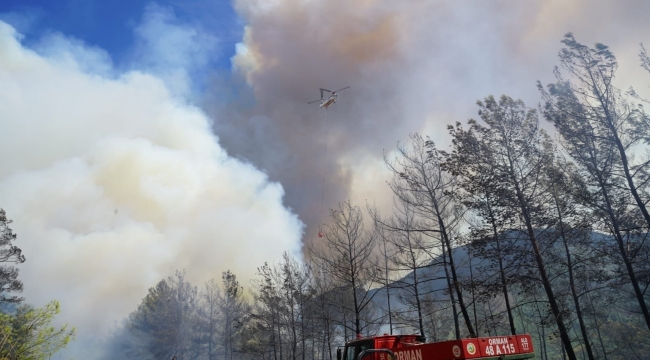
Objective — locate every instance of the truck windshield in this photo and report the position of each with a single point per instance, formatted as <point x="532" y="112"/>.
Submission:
<point x="353" y="350"/>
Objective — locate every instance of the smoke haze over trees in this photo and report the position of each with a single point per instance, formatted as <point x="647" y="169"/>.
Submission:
<point x="507" y="232"/>
<point x="412" y="67"/>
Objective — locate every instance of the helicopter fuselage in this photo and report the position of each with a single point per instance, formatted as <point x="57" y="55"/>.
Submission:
<point x="327" y="102"/>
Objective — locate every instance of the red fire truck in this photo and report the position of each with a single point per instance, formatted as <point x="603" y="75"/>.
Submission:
<point x="413" y="347"/>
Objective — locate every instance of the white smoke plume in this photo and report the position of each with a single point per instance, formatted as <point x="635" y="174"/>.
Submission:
<point x="113" y="183"/>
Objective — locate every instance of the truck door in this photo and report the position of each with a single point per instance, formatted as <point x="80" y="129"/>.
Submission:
<point x="353" y="350"/>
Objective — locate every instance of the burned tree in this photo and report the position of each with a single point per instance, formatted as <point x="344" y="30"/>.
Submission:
<point x="421" y="186"/>
<point x="490" y="232"/>
<point x="411" y="253"/>
<point x="599" y="130"/>
<point x="347" y="255"/>
<point x="513" y="147"/>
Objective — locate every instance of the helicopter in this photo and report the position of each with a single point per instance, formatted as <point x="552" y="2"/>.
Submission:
<point x="325" y="103"/>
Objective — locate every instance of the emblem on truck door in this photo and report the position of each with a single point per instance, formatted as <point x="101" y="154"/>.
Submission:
<point x="456" y="350"/>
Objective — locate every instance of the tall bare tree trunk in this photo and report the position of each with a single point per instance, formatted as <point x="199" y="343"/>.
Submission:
<point x="574" y="293"/>
<point x="451" y="293"/>
<point x="452" y="266"/>
<point x="559" y="319"/>
<point x="504" y="287"/>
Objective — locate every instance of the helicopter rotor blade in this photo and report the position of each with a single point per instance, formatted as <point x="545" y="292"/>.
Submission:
<point x="321" y="92"/>
<point x="347" y="87"/>
<point x="311" y="102"/>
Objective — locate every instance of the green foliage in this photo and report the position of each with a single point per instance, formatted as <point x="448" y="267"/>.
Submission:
<point x="159" y="328"/>
<point x="9" y="253"/>
<point x="28" y="335"/>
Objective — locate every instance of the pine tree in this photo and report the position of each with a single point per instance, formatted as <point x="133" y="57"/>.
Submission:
<point x="9" y="253"/>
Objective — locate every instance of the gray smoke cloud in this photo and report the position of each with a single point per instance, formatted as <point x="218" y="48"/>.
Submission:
<point x="414" y="66"/>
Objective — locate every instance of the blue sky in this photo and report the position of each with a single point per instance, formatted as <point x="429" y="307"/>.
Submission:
<point x="110" y="25"/>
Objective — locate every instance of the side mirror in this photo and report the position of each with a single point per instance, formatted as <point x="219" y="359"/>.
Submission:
<point x="338" y="354"/>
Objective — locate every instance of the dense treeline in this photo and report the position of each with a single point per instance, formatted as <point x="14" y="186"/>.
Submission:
<point x="508" y="231"/>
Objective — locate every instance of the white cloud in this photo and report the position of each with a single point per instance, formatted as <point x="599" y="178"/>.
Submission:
<point x="113" y="183"/>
